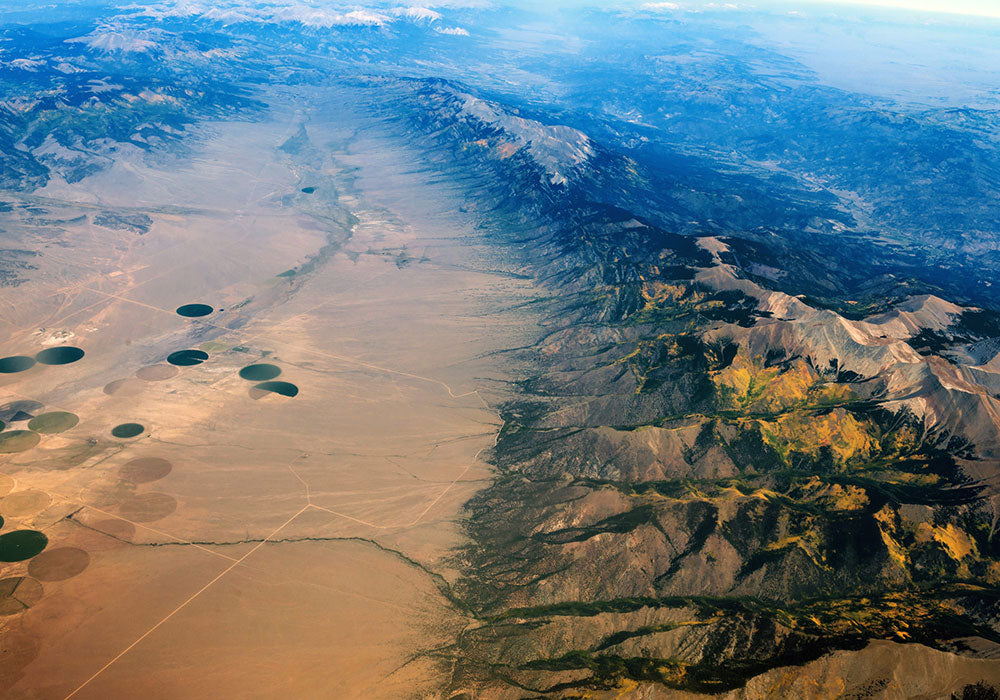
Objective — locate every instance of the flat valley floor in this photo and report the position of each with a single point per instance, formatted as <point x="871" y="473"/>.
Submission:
<point x="246" y="543"/>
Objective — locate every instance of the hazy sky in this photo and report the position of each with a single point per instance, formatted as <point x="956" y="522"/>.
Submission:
<point x="988" y="8"/>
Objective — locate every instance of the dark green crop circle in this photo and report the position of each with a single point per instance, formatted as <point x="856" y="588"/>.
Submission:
<point x="127" y="430"/>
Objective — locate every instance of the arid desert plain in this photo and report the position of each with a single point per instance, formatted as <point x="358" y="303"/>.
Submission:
<point x="263" y="537"/>
<point x="499" y="350"/>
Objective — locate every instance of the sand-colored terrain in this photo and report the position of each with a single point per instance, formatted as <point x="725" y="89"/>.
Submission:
<point x="248" y="544"/>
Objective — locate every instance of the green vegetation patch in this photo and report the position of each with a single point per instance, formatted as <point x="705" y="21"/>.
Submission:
<point x="16" y="363"/>
<point x="187" y="358"/>
<point x="609" y="670"/>
<point x="21" y="544"/>
<point x="127" y="430"/>
<point x="18" y="441"/>
<point x="194" y="310"/>
<point x="63" y="355"/>
<point x="53" y="422"/>
<point x="283" y="388"/>
<point x="260" y="372"/>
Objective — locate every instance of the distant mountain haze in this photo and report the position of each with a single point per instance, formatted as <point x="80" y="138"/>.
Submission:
<point x="982" y="8"/>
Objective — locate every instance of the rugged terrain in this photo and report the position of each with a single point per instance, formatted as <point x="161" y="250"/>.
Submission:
<point x="703" y="478"/>
<point x="665" y="385"/>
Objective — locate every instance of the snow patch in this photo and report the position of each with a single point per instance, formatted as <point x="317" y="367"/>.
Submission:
<point x="557" y="148"/>
<point x="124" y="40"/>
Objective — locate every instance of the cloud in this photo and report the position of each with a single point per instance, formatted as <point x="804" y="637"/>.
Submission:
<point x="454" y="31"/>
<point x="660" y="6"/>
